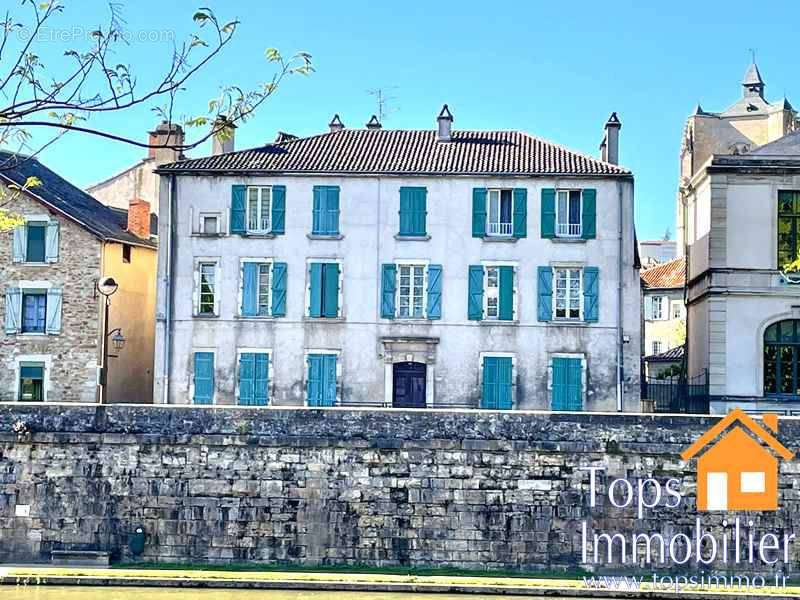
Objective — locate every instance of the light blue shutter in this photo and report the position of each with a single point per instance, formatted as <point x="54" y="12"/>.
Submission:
<point x="318" y="210"/>
<point x="315" y="292"/>
<point x="333" y="210"/>
<point x="548" y="224"/>
<point x="321" y="379"/>
<point x="545" y="294"/>
<point x="330" y="290"/>
<point x="520" y="212"/>
<point x="406" y="212"/>
<point x="203" y="377"/>
<point x="434" y="292"/>
<point x="52" y="242"/>
<point x="278" y="209"/>
<point x="329" y="376"/>
<point x="314" y="383"/>
<point x="279" y="289"/>
<point x="326" y="210"/>
<point x="648" y="308"/>
<point x="489" y="397"/>
<point x="574" y="384"/>
<point x="475" y="291"/>
<point x="559" y="391"/>
<point x="53" y="319"/>
<point x="479" y="212"/>
<point x="591" y="294"/>
<point x="19" y="243"/>
<point x="388" y="289"/>
<point x="249" y="289"/>
<point x="589" y="214"/>
<point x="504" y="382"/>
<point x="413" y="210"/>
<point x="238" y="220"/>
<point x="247" y="369"/>
<point x="420" y="210"/>
<point x="261" y="379"/>
<point x="506" y="283"/>
<point x="13" y="316"/>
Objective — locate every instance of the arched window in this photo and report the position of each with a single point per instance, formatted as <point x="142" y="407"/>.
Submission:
<point x="781" y="355"/>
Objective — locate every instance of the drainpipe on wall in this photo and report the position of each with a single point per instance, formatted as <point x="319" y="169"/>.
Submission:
<point x="173" y="184"/>
<point x="619" y="297"/>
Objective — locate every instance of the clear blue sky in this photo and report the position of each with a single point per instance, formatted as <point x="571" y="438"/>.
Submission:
<point x="554" y="69"/>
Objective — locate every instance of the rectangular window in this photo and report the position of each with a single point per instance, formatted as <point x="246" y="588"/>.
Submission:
<point x="657" y="312"/>
<point x="259" y="201"/>
<point x="208" y="288"/>
<point x="677" y="311"/>
<point x="34" y="312"/>
<point x="31" y="383"/>
<point x="497" y="383"/>
<point x="410" y="291"/>
<point x="498" y="292"/>
<point x="35" y="251"/>
<point x="656" y="347"/>
<point x="126" y="253"/>
<point x="492" y="292"/>
<point x="568" y="214"/>
<point x="567" y="299"/>
<point x="324" y="289"/>
<point x="326" y="210"/>
<point x="321" y="379"/>
<point x="753" y="482"/>
<point x="254" y="378"/>
<point x="210" y="225"/>
<point x="788" y="228"/>
<point x="499" y="210"/>
<point x="263" y="289"/>
<point x="413" y="211"/>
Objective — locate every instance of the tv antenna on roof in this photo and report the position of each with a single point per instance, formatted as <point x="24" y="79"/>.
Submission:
<point x="383" y="99"/>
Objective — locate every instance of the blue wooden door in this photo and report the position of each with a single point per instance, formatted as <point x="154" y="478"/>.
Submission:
<point x="497" y="374"/>
<point x="203" y="377"/>
<point x="321" y="379"/>
<point x="567" y="384"/>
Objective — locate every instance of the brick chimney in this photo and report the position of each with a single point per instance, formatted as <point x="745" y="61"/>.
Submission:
<point x="165" y="134"/>
<point x="139" y="218"/>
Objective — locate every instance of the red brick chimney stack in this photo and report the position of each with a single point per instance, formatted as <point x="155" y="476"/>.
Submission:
<point x="139" y="218"/>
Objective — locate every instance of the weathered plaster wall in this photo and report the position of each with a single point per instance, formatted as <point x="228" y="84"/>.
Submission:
<point x="473" y="489"/>
<point x="72" y="355"/>
<point x="368" y="223"/>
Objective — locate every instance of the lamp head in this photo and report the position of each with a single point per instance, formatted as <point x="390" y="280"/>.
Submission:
<point x="107" y="286"/>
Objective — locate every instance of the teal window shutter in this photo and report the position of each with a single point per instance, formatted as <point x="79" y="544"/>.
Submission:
<point x="203" y="377"/>
<point x="648" y="308"/>
<point x="388" y="289"/>
<point x="326" y="210"/>
<point x="13" y="316"/>
<point x="315" y="292"/>
<point x="238" y="221"/>
<point x="321" y="384"/>
<point x="567" y="393"/>
<point x="329" y="374"/>
<point x="589" y="214"/>
<point x="333" y="210"/>
<point x="19" y="243"/>
<point x="278" y="209"/>
<point x="247" y="378"/>
<point x="506" y="312"/>
<point x="279" y="270"/>
<point x="434" y="292"/>
<point x="475" y="300"/>
<point x="520" y="212"/>
<point x="52" y="242"/>
<point x="261" y="384"/>
<point x="249" y="289"/>
<point x="330" y="290"/>
<point x="545" y="294"/>
<point x="591" y="294"/>
<point x="54" y="311"/>
<point x="548" y="213"/>
<point x="318" y="209"/>
<point x="413" y="211"/>
<point x="497" y="383"/>
<point x="479" y="212"/>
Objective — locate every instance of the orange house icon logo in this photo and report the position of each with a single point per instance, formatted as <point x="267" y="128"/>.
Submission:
<point x="738" y="471"/>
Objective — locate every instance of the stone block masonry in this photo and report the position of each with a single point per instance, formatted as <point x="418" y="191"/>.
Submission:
<point x="471" y="489"/>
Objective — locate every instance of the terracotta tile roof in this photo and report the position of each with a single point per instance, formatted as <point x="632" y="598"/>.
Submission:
<point x="675" y="353"/>
<point x="671" y="274"/>
<point x="404" y="151"/>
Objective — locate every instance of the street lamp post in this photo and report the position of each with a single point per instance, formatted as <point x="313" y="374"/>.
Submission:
<point x="107" y="286"/>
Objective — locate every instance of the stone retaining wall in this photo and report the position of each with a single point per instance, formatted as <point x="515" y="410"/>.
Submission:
<point x="475" y="489"/>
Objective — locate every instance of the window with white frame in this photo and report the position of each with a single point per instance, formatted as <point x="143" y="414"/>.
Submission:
<point x="207" y="296"/>
<point x="259" y="201"/>
<point x="568" y="297"/>
<point x="677" y="310"/>
<point x="264" y="289"/>
<point x="209" y="224"/>
<point x="656" y="347"/>
<point x="657" y="312"/>
<point x="411" y="291"/>
<point x="492" y="308"/>
<point x="568" y="213"/>
<point x="499" y="212"/>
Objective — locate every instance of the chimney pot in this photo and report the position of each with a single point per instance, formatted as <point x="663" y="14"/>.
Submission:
<point x="336" y="124"/>
<point x="445" y="124"/>
<point x="139" y="218"/>
<point x="610" y="146"/>
<point x="373" y="123"/>
<point x="222" y="141"/>
<point x="165" y="134"/>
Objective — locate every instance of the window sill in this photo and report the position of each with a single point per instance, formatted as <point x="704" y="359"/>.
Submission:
<point x="260" y="236"/>
<point x="570" y="322"/>
<point x="207" y="235"/>
<point x="196" y="316"/>
<point x="34" y="264"/>
<point x="308" y="319"/>
<point x="568" y="240"/>
<point x="498" y="322"/>
<point x="32" y="335"/>
<point x="412" y="238"/>
<point x="408" y="321"/>
<point x="500" y="238"/>
<point x="255" y="317"/>
<point x="320" y="236"/>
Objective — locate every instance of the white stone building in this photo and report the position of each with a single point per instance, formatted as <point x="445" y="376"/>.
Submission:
<point x="405" y="268"/>
<point x="738" y="211"/>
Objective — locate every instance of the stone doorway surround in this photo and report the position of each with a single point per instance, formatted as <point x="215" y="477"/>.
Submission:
<point x="398" y="349"/>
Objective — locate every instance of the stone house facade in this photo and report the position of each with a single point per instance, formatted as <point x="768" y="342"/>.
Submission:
<point x="737" y="225"/>
<point x="51" y="340"/>
<point x="400" y="268"/>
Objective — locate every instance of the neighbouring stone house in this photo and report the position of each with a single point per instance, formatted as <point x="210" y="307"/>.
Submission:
<point x="51" y="343"/>
<point x="663" y="310"/>
<point x="738" y="220"/>
<point x="654" y="252"/>
<point x="401" y="268"/>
